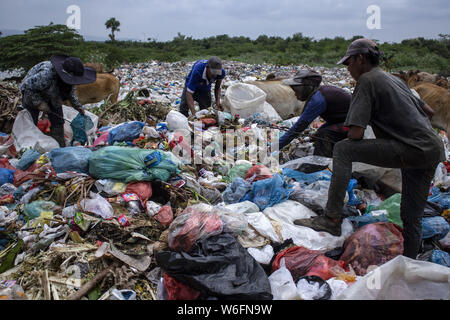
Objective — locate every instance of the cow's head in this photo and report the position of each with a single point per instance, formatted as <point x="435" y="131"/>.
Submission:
<point x="413" y="78"/>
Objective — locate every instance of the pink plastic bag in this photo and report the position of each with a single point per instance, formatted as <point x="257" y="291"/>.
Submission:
<point x="102" y="140"/>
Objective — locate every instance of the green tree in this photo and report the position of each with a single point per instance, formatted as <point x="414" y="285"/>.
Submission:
<point x="37" y="44"/>
<point x="114" y="25"/>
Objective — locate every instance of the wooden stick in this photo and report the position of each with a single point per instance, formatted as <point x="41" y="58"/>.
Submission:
<point x="88" y="286"/>
<point x="46" y="285"/>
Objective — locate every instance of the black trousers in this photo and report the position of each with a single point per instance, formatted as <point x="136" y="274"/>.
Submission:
<point x="416" y="180"/>
<point x="56" y="116"/>
<point x="326" y="137"/>
<point x="203" y="98"/>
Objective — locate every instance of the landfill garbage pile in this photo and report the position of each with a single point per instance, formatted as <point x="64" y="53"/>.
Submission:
<point x="10" y="98"/>
<point x="124" y="212"/>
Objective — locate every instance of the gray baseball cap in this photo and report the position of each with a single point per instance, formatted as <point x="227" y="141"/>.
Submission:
<point x="362" y="45"/>
<point x="304" y="77"/>
<point x="215" y="65"/>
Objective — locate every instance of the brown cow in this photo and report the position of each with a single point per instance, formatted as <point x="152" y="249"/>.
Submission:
<point x="105" y="87"/>
<point x="438" y="99"/>
<point x="413" y="78"/>
<point x="98" y="67"/>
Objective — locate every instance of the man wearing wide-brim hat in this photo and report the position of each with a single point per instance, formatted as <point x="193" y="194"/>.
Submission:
<point x="48" y="84"/>
<point x="405" y="139"/>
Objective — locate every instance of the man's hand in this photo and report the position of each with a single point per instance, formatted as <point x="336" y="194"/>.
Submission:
<point x="356" y="133"/>
<point x="80" y="110"/>
<point x="219" y="106"/>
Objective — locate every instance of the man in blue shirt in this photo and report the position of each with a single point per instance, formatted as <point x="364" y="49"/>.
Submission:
<point x="329" y="102"/>
<point x="198" y="85"/>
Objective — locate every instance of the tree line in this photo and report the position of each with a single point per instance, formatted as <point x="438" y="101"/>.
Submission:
<point x="39" y="43"/>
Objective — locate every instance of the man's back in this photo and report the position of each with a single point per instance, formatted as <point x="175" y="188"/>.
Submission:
<point x="338" y="103"/>
<point x="386" y="103"/>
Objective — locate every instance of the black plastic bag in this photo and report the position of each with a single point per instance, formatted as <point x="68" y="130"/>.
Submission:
<point x="218" y="266"/>
<point x="432" y="209"/>
<point x="308" y="164"/>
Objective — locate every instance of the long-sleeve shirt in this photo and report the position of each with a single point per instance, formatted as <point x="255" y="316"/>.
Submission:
<point x="197" y="79"/>
<point x="42" y="84"/>
<point x="329" y="102"/>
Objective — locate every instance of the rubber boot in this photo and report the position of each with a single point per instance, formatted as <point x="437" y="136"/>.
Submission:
<point x="57" y="133"/>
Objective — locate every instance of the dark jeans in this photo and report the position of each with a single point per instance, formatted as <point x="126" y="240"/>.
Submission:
<point x="202" y="97"/>
<point x="416" y="179"/>
<point x="326" y="137"/>
<point x="56" y="116"/>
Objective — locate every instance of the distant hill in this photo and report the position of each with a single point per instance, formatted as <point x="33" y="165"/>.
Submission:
<point x="11" y="32"/>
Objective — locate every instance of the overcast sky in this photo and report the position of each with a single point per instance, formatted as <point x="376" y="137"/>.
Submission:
<point x="163" y="19"/>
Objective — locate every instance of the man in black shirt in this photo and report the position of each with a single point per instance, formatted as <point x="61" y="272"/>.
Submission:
<point x="405" y="139"/>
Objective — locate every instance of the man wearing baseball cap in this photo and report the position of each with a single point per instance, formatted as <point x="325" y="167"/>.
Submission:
<point x="405" y="139"/>
<point x="198" y="85"/>
<point x="48" y="84"/>
<point x="329" y="102"/>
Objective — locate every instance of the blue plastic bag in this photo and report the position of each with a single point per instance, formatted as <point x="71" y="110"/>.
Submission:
<point x="307" y="178"/>
<point x="236" y="190"/>
<point x="27" y="159"/>
<point x="80" y="125"/>
<point x="443" y="198"/>
<point x="125" y="132"/>
<point x="368" y="218"/>
<point x="434" y="227"/>
<point x="268" y="192"/>
<point x="440" y="257"/>
<point x="6" y="176"/>
<point x="70" y="159"/>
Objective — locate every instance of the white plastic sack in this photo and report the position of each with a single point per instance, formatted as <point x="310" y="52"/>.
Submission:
<point x="286" y="212"/>
<point x="269" y="113"/>
<point x="69" y="114"/>
<point x="153" y="208"/>
<point x="441" y="179"/>
<point x="98" y="205"/>
<point x="243" y="207"/>
<point x="262" y="224"/>
<point x="27" y="135"/>
<point x="337" y="287"/>
<point x="401" y="278"/>
<point x="245" y="99"/>
<point x="150" y="132"/>
<point x="263" y="255"/>
<point x="250" y="238"/>
<point x="310" y="291"/>
<point x="177" y="121"/>
<point x="282" y="284"/>
<point x="281" y="97"/>
<point x="232" y="221"/>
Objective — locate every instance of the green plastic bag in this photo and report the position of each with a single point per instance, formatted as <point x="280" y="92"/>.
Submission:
<point x="392" y="206"/>
<point x="132" y="164"/>
<point x="238" y="171"/>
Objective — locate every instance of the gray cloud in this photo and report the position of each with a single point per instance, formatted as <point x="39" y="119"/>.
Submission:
<point x="162" y="20"/>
